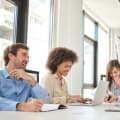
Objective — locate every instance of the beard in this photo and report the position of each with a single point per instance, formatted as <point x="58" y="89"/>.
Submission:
<point x="20" y="66"/>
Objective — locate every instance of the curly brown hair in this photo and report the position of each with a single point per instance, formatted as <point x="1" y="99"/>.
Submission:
<point x="59" y="55"/>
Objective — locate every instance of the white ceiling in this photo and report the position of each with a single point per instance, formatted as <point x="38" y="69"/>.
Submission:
<point x="107" y="10"/>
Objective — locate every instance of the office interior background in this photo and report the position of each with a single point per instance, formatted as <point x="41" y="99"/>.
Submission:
<point x="90" y="27"/>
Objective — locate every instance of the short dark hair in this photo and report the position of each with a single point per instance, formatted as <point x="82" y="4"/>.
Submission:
<point x="13" y="49"/>
<point x="59" y="55"/>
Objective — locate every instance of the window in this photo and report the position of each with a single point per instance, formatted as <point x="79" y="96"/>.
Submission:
<point x="89" y="27"/>
<point x="7" y="26"/>
<point x="89" y="51"/>
<point x="102" y="58"/>
<point x="88" y="61"/>
<point x="96" y="53"/>
<point x="39" y="34"/>
<point x="90" y="55"/>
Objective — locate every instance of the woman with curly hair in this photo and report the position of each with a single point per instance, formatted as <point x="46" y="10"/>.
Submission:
<point x="59" y="63"/>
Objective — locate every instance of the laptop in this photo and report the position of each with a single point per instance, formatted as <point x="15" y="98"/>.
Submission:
<point x="98" y="97"/>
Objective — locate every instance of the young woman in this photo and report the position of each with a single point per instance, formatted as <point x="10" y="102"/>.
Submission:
<point x="113" y="76"/>
<point x="59" y="63"/>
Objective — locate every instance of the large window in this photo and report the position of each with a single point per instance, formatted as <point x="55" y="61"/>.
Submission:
<point x="89" y="55"/>
<point x="96" y="53"/>
<point x="88" y="61"/>
<point x="103" y="42"/>
<point x="39" y="34"/>
<point x="89" y="51"/>
<point x="7" y="26"/>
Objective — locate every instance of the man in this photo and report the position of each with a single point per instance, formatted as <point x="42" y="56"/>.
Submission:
<point x="16" y="86"/>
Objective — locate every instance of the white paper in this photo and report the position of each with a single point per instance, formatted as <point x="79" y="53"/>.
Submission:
<point x="112" y="107"/>
<point x="49" y="107"/>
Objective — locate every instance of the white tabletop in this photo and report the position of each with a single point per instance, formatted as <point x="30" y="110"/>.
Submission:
<point x="72" y="113"/>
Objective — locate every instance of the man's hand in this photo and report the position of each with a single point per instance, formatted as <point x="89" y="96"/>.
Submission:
<point x="32" y="106"/>
<point x="21" y="74"/>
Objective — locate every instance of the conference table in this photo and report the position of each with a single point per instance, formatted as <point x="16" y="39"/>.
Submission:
<point x="71" y="113"/>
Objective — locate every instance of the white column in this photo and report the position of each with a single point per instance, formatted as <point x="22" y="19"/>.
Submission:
<point x="67" y="32"/>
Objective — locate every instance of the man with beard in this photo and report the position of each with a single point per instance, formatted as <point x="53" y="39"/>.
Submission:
<point x="16" y="86"/>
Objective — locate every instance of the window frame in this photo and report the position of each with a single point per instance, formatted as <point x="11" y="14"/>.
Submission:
<point x="95" y="42"/>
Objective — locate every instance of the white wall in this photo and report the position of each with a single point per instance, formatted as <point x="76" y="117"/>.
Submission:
<point x="67" y="32"/>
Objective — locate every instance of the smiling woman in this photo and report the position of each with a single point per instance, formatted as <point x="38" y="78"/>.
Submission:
<point x="113" y="76"/>
<point x="59" y="63"/>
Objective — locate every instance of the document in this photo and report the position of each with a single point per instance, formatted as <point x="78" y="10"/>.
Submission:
<point x="112" y="107"/>
<point x="51" y="107"/>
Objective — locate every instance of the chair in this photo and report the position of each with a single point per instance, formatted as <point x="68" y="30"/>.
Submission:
<point x="35" y="74"/>
<point x="102" y="76"/>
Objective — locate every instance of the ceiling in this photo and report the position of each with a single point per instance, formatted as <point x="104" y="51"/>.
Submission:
<point x="106" y="10"/>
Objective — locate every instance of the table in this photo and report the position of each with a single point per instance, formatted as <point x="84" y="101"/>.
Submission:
<point x="72" y="113"/>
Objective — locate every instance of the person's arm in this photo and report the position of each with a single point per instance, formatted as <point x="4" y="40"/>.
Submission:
<point x="114" y="99"/>
<point x="39" y="92"/>
<point x="71" y="98"/>
<point x="21" y="74"/>
<point x="7" y="105"/>
<point x="34" y="105"/>
<point x="77" y="98"/>
<point x="36" y="90"/>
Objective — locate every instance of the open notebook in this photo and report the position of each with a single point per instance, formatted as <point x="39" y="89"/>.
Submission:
<point x="51" y="107"/>
<point x="99" y="95"/>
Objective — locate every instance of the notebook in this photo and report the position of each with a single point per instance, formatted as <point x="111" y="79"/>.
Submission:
<point x="52" y="107"/>
<point x="98" y="97"/>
